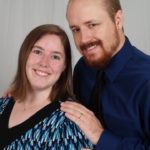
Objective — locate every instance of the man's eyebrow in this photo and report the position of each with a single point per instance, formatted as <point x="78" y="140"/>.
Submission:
<point x="73" y="26"/>
<point x="91" y="21"/>
<point x="86" y="23"/>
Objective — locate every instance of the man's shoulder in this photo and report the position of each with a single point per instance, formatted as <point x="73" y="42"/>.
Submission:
<point x="80" y="63"/>
<point x="140" y="62"/>
<point x="140" y="56"/>
<point x="82" y="66"/>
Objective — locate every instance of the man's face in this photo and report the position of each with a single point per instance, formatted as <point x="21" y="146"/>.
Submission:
<point x="95" y="34"/>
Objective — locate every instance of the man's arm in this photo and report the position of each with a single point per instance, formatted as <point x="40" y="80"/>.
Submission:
<point x="102" y="138"/>
<point x="84" y="118"/>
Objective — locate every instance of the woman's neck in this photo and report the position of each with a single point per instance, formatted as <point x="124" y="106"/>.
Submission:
<point x="36" y="98"/>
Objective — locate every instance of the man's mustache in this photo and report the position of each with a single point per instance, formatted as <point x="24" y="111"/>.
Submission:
<point x="84" y="46"/>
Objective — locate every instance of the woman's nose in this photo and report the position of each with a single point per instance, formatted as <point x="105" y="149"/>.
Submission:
<point x="44" y="62"/>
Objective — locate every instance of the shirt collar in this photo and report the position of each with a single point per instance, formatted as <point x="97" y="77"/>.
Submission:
<point x="119" y="61"/>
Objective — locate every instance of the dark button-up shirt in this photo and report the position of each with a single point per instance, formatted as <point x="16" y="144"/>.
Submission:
<point x="125" y="98"/>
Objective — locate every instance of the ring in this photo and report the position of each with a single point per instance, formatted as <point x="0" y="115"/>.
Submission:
<point x="80" y="116"/>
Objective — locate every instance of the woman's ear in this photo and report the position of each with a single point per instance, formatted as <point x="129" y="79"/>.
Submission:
<point x="64" y="67"/>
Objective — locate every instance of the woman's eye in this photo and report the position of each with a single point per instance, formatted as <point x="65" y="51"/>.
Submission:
<point x="36" y="51"/>
<point x="56" y="57"/>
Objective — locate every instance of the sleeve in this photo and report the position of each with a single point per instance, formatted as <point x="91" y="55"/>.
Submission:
<point x="3" y="103"/>
<point x="110" y="141"/>
<point x="71" y="136"/>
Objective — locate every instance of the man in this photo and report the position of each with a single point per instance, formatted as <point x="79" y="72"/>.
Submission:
<point x="97" y="27"/>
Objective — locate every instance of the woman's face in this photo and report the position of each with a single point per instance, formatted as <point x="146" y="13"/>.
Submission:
<point x="45" y="63"/>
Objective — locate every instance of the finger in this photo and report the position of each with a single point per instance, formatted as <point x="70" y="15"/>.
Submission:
<point x="84" y="122"/>
<point x="73" y="107"/>
<point x="74" y="111"/>
<point x="79" y="120"/>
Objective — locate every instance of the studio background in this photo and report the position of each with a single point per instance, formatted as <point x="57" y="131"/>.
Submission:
<point x="19" y="17"/>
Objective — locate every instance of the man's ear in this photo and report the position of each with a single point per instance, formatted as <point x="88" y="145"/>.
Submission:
<point x="119" y="19"/>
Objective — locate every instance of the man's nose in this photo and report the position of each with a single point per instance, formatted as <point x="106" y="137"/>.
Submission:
<point x="85" y="36"/>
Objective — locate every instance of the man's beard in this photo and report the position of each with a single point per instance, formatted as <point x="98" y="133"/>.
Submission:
<point x="106" y="56"/>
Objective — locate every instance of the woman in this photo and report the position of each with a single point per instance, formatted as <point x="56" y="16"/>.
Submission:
<point x="31" y="118"/>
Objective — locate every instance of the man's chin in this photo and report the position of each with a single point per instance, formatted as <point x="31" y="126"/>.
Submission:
<point x="93" y="63"/>
<point x="98" y="64"/>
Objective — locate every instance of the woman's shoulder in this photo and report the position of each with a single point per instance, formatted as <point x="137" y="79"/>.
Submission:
<point x="59" y="118"/>
<point x="3" y="103"/>
<point x="68" y="131"/>
<point x="4" y="100"/>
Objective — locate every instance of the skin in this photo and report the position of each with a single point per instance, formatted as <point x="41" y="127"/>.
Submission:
<point x="96" y="36"/>
<point x="45" y="64"/>
<point x="98" y="39"/>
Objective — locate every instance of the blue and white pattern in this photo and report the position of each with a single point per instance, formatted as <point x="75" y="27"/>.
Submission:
<point x="55" y="132"/>
<point x="3" y="103"/>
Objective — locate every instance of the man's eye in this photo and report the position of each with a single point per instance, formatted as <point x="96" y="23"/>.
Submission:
<point x="75" y="30"/>
<point x="92" y="25"/>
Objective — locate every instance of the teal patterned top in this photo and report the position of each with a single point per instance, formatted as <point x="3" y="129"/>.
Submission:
<point x="46" y="129"/>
